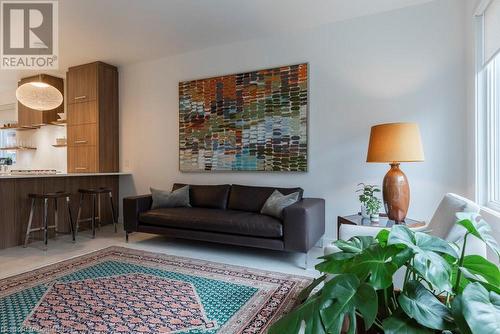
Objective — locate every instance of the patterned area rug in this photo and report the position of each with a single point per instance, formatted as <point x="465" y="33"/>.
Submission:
<point x="120" y="290"/>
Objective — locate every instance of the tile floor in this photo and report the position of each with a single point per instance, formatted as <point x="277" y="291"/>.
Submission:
<point x="18" y="259"/>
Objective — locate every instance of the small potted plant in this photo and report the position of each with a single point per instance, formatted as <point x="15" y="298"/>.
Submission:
<point x="370" y="203"/>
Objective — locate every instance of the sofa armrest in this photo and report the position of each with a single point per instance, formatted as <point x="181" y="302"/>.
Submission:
<point x="132" y="207"/>
<point x="304" y="224"/>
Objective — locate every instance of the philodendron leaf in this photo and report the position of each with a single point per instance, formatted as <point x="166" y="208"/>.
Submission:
<point x="304" y="294"/>
<point x="382" y="237"/>
<point x="427" y="260"/>
<point x="346" y="294"/>
<point x="434" y="269"/>
<point x="399" y="323"/>
<point x="458" y="317"/>
<point x="354" y="244"/>
<point x="334" y="263"/>
<point x="478" y="227"/>
<point x="420" y="304"/>
<point x="378" y="264"/>
<point x="419" y="241"/>
<point x="475" y="268"/>
<point x="432" y="243"/>
<point x="481" y="309"/>
<point x="307" y="314"/>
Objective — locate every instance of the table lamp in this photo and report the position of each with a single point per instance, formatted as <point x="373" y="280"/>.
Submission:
<point x="395" y="143"/>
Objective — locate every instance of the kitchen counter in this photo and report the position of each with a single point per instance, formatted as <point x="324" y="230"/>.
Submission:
<point x="15" y="204"/>
<point x="25" y="176"/>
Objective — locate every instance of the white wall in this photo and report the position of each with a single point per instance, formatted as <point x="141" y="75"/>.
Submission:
<point x="405" y="65"/>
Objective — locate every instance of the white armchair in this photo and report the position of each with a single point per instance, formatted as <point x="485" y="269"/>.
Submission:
<point x="442" y="225"/>
<point x="443" y="222"/>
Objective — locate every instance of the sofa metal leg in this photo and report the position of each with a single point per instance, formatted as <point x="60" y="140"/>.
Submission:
<point x="126" y="237"/>
<point x="306" y="261"/>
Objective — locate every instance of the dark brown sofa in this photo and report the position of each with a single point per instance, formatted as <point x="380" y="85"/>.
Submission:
<point x="231" y="214"/>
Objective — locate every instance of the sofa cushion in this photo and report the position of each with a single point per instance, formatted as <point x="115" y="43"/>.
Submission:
<point x="252" y="199"/>
<point x="207" y="196"/>
<point x="277" y="202"/>
<point x="213" y="220"/>
<point x="167" y="199"/>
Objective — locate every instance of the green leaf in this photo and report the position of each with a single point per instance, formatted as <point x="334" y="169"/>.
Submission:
<point x="481" y="309"/>
<point x="419" y="241"/>
<point x="334" y="263"/>
<point x="478" y="227"/>
<point x="399" y="323"/>
<point x="457" y="311"/>
<point x="354" y="244"/>
<point x="340" y="297"/>
<point x="434" y="269"/>
<point x="382" y="237"/>
<point x="427" y="260"/>
<point x="378" y="264"/>
<point x="432" y="243"/>
<point x="475" y="268"/>
<point x="304" y="294"/>
<point x="348" y="295"/>
<point x="420" y="304"/>
<point x="307" y="313"/>
<point x="463" y="280"/>
<point x="367" y="303"/>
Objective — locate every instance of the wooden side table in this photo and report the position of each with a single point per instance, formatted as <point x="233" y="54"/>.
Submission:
<point x="383" y="222"/>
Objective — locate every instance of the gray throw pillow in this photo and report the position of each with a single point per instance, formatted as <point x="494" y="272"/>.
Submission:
<point x="167" y="199"/>
<point x="277" y="202"/>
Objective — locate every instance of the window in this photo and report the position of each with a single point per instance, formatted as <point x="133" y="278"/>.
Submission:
<point x="488" y="104"/>
<point x="492" y="74"/>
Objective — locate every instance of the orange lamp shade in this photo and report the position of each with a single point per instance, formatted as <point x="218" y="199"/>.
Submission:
<point x="395" y="142"/>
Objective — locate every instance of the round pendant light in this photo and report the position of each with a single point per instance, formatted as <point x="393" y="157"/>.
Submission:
<point x="39" y="95"/>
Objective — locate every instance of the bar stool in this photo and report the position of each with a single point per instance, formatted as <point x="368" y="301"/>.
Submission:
<point x="45" y="197"/>
<point x="95" y="195"/>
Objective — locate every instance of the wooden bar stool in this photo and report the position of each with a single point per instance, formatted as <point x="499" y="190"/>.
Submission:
<point x="95" y="195"/>
<point x="45" y="227"/>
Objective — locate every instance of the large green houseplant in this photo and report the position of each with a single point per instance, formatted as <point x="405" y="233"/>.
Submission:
<point x="444" y="290"/>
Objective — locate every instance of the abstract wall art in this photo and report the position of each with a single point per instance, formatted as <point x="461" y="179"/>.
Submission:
<point x="254" y="121"/>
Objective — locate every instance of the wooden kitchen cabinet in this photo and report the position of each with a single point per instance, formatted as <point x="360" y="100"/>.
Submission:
<point x="82" y="135"/>
<point x="83" y="82"/>
<point x="82" y="113"/>
<point x="83" y="159"/>
<point x="27" y="117"/>
<point x="92" y="118"/>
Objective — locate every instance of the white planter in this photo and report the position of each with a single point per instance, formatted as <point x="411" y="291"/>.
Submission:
<point x="375" y="217"/>
<point x="364" y="212"/>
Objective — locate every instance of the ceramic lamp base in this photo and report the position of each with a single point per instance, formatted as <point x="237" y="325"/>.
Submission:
<point x="396" y="194"/>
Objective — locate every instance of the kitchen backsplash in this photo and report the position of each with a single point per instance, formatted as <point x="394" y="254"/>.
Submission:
<point x="45" y="156"/>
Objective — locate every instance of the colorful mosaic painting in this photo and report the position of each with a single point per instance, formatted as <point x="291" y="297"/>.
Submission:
<point x="119" y="290"/>
<point x="255" y="121"/>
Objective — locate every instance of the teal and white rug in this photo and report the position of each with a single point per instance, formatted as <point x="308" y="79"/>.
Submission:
<point x="120" y="290"/>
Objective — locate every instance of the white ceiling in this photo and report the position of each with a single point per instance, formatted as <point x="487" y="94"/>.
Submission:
<point x="126" y="31"/>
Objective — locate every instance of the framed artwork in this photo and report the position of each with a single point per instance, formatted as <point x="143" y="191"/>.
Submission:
<point x="254" y="121"/>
